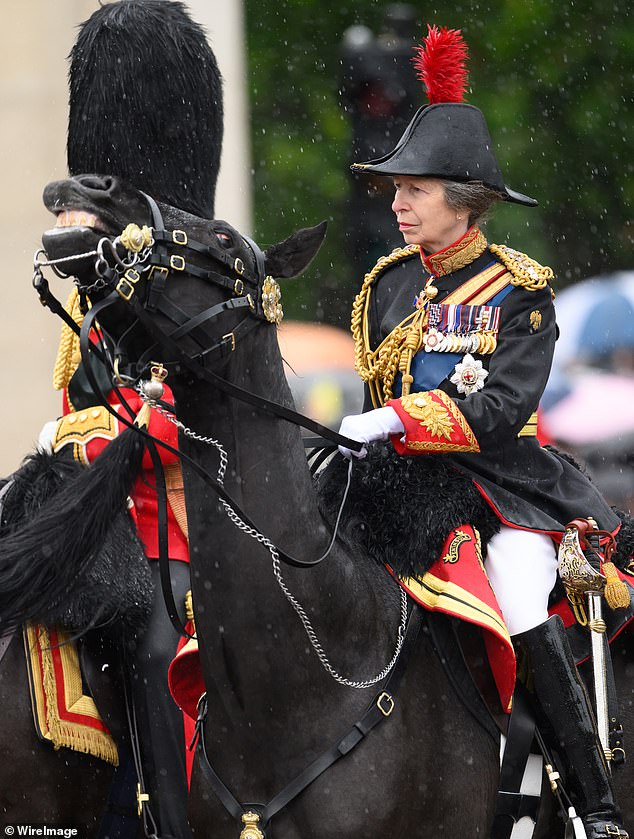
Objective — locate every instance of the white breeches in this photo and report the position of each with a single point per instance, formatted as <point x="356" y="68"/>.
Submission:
<point x="522" y="569"/>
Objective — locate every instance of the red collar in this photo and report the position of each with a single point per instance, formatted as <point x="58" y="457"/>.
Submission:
<point x="457" y="255"/>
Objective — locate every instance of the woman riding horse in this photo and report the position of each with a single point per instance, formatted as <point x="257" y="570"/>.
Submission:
<point x="455" y="339"/>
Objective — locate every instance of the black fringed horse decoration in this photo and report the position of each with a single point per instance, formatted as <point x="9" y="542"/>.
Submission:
<point x="292" y="648"/>
<point x="145" y="102"/>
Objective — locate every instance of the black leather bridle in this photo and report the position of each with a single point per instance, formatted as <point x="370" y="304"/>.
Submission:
<point x="120" y="283"/>
<point x="169" y="257"/>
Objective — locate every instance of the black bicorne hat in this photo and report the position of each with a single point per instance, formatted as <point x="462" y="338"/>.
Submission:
<point x="448" y="139"/>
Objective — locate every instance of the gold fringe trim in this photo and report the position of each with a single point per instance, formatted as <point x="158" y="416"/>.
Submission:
<point x="526" y="272"/>
<point x="68" y="357"/>
<point x="62" y="733"/>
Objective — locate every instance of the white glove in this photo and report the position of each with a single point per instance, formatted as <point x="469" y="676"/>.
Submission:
<point x="369" y="427"/>
<point x="47" y="435"/>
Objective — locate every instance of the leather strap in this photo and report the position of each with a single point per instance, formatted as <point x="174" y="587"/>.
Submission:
<point x="512" y="805"/>
<point x="380" y="708"/>
<point x="231" y="389"/>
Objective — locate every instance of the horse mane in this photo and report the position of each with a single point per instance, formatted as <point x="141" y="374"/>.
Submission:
<point x="146" y="102"/>
<point x="69" y="553"/>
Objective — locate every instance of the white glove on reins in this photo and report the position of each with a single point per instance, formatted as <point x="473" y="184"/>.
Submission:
<point x="369" y="427"/>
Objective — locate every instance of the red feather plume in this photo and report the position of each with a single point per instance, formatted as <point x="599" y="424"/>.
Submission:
<point x="441" y="64"/>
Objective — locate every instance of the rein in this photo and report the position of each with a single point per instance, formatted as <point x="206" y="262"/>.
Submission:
<point x="223" y="495"/>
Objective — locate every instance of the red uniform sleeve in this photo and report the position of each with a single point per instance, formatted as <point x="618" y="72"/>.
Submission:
<point x="433" y="423"/>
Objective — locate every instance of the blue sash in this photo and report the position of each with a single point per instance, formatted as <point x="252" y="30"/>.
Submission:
<point x="429" y="369"/>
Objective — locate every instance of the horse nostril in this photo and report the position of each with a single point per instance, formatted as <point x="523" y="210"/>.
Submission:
<point x="99" y="184"/>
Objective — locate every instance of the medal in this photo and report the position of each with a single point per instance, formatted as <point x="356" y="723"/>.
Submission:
<point x="469" y="375"/>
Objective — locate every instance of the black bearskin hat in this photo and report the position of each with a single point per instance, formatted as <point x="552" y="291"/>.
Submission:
<point x="146" y="102"/>
<point x="446" y="139"/>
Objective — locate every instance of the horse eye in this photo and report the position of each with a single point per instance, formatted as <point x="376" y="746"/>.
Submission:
<point x="223" y="238"/>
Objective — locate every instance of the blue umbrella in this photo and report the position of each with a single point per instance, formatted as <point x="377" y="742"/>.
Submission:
<point x="596" y="322"/>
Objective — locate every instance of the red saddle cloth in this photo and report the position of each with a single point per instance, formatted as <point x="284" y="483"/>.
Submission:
<point x="456" y="584"/>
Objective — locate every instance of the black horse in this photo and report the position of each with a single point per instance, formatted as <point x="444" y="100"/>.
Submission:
<point x="276" y="699"/>
<point x="54" y="511"/>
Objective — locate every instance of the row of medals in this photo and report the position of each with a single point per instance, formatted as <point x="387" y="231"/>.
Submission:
<point x="483" y="341"/>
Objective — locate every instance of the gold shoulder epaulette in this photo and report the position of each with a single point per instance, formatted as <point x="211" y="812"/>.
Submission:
<point x="526" y="272"/>
<point x="82" y="426"/>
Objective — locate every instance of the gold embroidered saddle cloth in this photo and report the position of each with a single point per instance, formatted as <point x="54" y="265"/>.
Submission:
<point x="63" y="713"/>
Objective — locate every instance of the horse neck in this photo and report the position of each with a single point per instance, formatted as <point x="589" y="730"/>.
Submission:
<point x="232" y="576"/>
<point x="267" y="472"/>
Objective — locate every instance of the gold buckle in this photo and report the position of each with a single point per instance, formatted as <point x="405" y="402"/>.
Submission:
<point x="238" y="287"/>
<point x="238" y="266"/>
<point x="233" y="340"/>
<point x="385" y="697"/>
<point x="141" y="799"/>
<point x="612" y="832"/>
<point x="177" y="262"/>
<point x="179" y="237"/>
<point x="250" y="302"/>
<point x="125" y="286"/>
<point x="125" y="290"/>
<point x="158" y="269"/>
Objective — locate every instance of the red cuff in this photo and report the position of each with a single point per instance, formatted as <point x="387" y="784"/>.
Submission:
<point x="433" y="423"/>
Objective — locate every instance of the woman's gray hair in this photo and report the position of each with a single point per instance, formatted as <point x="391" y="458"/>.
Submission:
<point x="472" y="196"/>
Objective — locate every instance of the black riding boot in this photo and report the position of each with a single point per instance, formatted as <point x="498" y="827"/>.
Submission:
<point x="568" y="726"/>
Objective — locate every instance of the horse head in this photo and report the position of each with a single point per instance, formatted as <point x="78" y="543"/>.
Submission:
<point x="160" y="275"/>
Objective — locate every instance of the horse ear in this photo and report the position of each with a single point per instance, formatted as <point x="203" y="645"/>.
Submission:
<point x="292" y="256"/>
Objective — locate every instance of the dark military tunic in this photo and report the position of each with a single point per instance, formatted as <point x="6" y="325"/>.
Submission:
<point x="528" y="486"/>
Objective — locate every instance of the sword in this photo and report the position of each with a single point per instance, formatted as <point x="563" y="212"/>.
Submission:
<point x="579" y="571"/>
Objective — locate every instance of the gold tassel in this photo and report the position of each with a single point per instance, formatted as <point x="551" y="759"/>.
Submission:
<point x="413" y="342"/>
<point x="143" y="417"/>
<point x="68" y="357"/>
<point x="616" y="591"/>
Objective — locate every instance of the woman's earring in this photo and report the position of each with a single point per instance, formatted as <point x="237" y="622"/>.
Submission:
<point x="458" y="218"/>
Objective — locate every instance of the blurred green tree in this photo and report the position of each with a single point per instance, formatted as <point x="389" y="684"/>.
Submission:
<point x="555" y="81"/>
